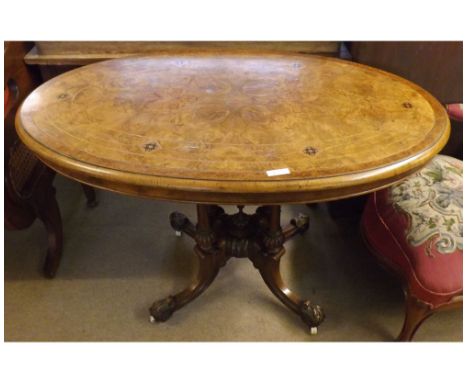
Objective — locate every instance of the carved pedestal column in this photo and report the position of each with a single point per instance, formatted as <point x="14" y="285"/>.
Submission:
<point x="219" y="237"/>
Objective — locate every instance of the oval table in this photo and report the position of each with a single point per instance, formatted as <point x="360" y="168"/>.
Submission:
<point x="234" y="128"/>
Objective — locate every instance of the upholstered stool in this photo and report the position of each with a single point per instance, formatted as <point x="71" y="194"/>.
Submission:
<point x="416" y="228"/>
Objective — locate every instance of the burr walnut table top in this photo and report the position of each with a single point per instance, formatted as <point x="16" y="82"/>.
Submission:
<point x="210" y="128"/>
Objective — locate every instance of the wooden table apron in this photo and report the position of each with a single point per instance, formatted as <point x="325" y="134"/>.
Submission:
<point x="234" y="128"/>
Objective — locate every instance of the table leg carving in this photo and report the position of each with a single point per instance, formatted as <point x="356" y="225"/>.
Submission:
<point x="163" y="309"/>
<point x="181" y="223"/>
<point x="298" y="225"/>
<point x="259" y="237"/>
<point x="268" y="266"/>
<point x="209" y="261"/>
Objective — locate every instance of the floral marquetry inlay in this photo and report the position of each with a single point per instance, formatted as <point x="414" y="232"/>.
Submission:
<point x="231" y="117"/>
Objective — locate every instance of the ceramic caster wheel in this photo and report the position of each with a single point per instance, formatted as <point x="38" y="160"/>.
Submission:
<point x="152" y="319"/>
<point x="178" y="233"/>
<point x="313" y="330"/>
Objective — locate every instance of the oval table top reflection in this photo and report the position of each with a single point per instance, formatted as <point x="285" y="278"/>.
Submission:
<point x="233" y="128"/>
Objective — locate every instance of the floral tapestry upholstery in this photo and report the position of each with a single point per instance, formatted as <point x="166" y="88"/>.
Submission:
<point x="416" y="227"/>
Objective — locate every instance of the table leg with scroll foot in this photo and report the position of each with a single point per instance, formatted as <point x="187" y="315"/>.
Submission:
<point x="163" y="309"/>
<point x="268" y="260"/>
<point x="298" y="225"/>
<point x="220" y="236"/>
<point x="268" y="266"/>
<point x="181" y="223"/>
<point x="209" y="262"/>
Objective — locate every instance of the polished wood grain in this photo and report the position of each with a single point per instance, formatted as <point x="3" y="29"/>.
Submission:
<point x="207" y="128"/>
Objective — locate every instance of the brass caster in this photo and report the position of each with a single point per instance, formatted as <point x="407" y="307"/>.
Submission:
<point x="313" y="331"/>
<point x="178" y="233"/>
<point x="152" y="320"/>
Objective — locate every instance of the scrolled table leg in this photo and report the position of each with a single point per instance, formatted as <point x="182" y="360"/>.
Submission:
<point x="298" y="225"/>
<point x="209" y="261"/>
<point x="181" y="223"/>
<point x="208" y="269"/>
<point x="259" y="237"/>
<point x="268" y="266"/>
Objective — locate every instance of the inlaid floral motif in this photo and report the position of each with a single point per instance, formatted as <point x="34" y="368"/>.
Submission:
<point x="433" y="199"/>
<point x="232" y="117"/>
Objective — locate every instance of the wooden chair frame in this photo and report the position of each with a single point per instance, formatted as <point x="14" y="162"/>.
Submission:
<point x="416" y="310"/>
<point x="34" y="197"/>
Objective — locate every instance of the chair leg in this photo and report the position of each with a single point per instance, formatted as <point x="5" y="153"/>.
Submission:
<point x="49" y="213"/>
<point x="416" y="312"/>
<point x="90" y="194"/>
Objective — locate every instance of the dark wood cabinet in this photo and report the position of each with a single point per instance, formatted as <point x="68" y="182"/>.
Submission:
<point x="437" y="66"/>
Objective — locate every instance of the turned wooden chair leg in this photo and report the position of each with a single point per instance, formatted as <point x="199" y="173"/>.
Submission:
<point x="416" y="312"/>
<point x="90" y="194"/>
<point x="48" y="212"/>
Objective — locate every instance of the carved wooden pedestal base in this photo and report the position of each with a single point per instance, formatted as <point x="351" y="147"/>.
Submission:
<point x="219" y="237"/>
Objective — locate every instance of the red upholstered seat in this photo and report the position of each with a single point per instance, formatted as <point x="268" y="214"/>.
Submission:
<point x="415" y="227"/>
<point x="455" y="111"/>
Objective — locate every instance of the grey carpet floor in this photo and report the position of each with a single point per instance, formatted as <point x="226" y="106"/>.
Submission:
<point x="121" y="256"/>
